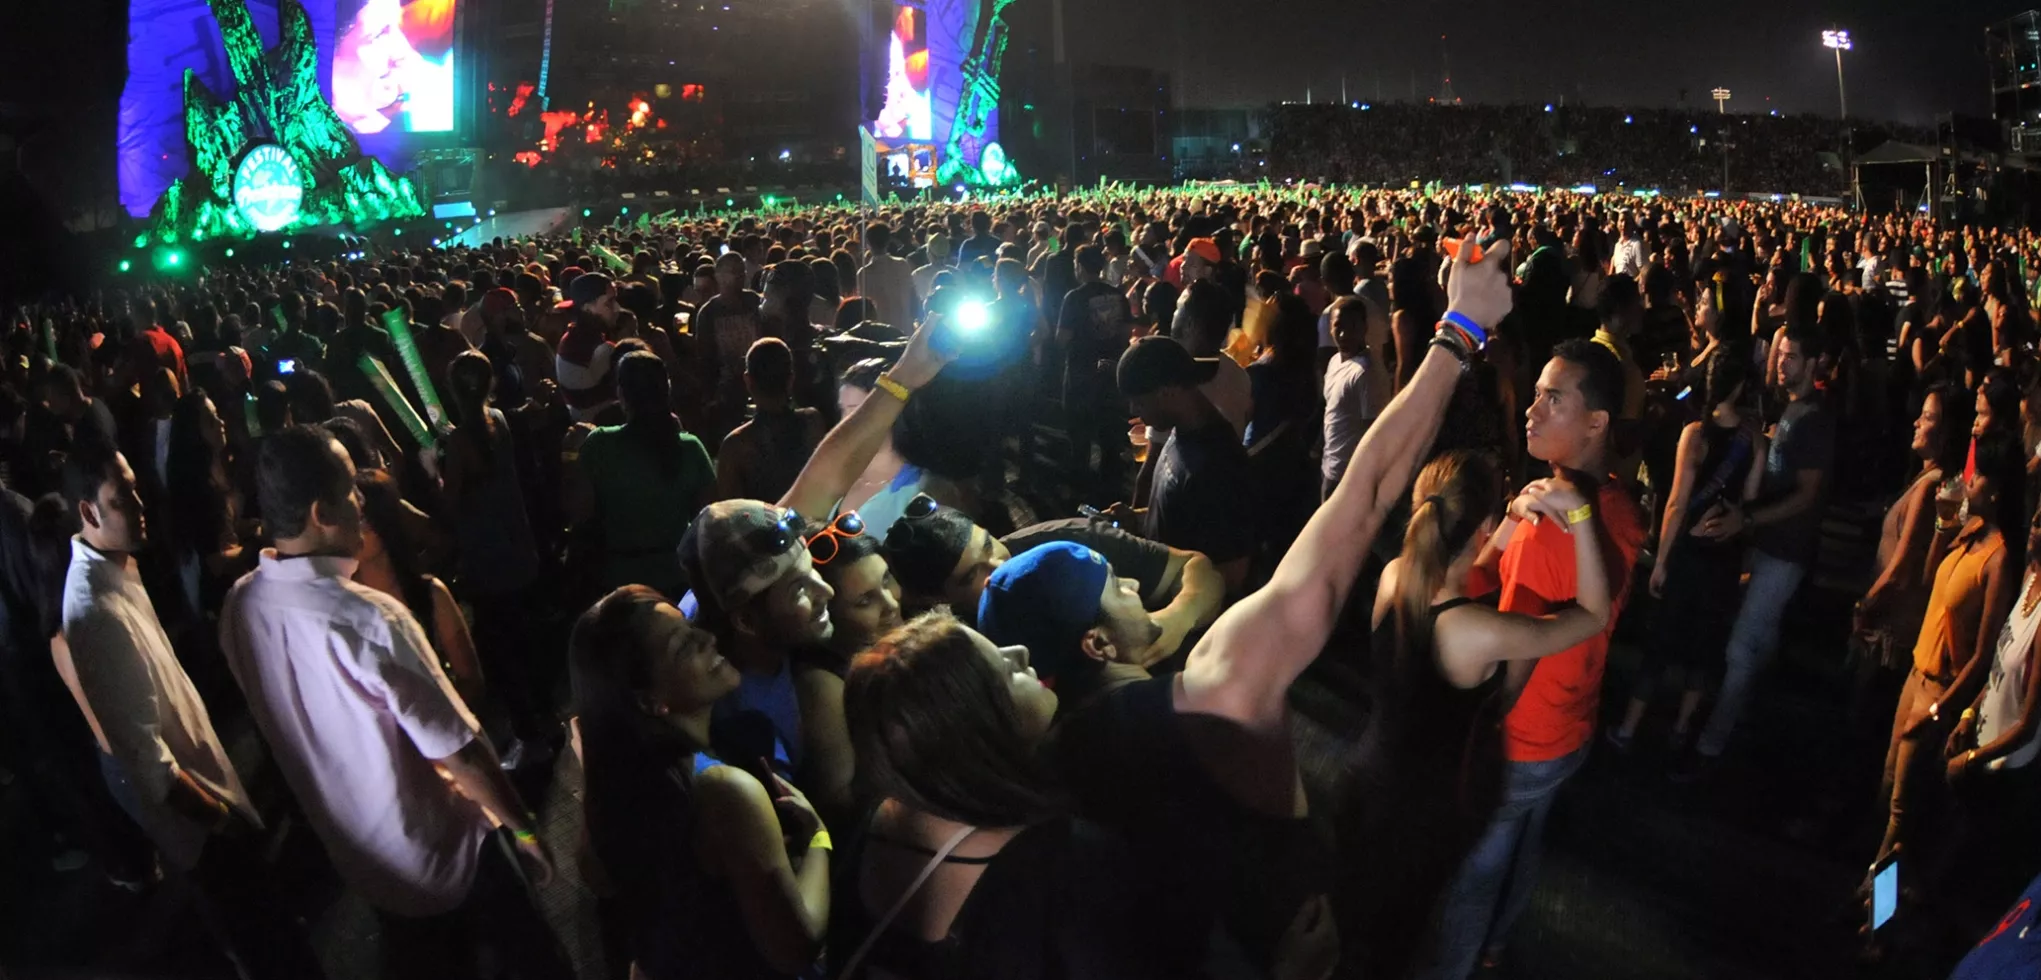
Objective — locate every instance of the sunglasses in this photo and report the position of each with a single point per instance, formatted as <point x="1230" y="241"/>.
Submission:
<point x="920" y="507"/>
<point x="778" y="537"/>
<point x="826" y="544"/>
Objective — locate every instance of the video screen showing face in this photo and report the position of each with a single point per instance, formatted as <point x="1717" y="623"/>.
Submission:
<point x="909" y="113"/>
<point x="393" y="65"/>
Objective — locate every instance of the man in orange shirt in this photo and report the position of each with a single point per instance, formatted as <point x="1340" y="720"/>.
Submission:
<point x="1546" y="734"/>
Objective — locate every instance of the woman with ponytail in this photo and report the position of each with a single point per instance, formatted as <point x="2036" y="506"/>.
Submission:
<point x="645" y="479"/>
<point x="1430" y="771"/>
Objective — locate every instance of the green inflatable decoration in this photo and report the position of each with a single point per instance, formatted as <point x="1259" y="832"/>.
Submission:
<point x="307" y="172"/>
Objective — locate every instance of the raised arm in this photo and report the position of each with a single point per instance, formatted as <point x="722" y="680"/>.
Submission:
<point x="1243" y="667"/>
<point x="849" y="448"/>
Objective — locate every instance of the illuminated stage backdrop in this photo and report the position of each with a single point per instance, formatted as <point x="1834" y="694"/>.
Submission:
<point x="167" y="38"/>
<point x="942" y="91"/>
<point x="274" y="155"/>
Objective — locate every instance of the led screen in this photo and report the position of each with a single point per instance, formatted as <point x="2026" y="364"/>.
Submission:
<point x="393" y="65"/>
<point x="909" y="113"/>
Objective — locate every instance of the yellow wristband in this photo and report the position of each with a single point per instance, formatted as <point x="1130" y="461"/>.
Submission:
<point x="894" y="388"/>
<point x="1579" y="514"/>
<point x="820" y="841"/>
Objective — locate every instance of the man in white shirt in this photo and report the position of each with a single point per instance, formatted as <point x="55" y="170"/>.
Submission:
<point x="938" y="260"/>
<point x="383" y="757"/>
<point x="887" y="280"/>
<point x="1629" y="257"/>
<point x="1349" y="388"/>
<point x="163" y="762"/>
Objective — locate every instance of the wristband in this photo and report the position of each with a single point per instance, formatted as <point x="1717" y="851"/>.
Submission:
<point x="1579" y="514"/>
<point x="1935" y="711"/>
<point x="525" y="836"/>
<point x="1968" y="713"/>
<point x="820" y="842"/>
<point x="1449" y="339"/>
<point x="1476" y="337"/>
<point x="894" y="388"/>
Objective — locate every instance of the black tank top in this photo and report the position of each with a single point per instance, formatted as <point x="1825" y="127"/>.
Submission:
<point x="1428" y="776"/>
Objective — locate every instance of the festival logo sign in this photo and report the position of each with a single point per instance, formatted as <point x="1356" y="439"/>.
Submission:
<point x="268" y="188"/>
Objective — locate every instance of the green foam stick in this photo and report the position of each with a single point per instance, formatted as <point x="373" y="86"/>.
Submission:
<point x="250" y="416"/>
<point x="399" y="328"/>
<point x="392" y="399"/>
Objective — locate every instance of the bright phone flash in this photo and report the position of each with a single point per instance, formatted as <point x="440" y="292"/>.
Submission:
<point x="973" y="317"/>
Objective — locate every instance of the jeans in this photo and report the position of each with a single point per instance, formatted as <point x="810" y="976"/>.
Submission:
<point x="500" y="913"/>
<point x="235" y="897"/>
<point x="1752" y="642"/>
<point x="1494" y="884"/>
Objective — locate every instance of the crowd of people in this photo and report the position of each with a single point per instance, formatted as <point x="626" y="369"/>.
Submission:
<point x="718" y="509"/>
<point x="1566" y="146"/>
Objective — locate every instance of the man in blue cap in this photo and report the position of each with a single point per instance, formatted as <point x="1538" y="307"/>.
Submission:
<point x="1196" y="769"/>
<point x="1083" y="625"/>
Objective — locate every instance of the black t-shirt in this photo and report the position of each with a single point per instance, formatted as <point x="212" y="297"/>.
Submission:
<point x="1200" y="490"/>
<point x="1131" y="555"/>
<point x="1095" y="315"/>
<point x="1229" y="878"/>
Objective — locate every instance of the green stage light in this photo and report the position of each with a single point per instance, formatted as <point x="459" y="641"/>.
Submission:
<point x="230" y="253"/>
<point x="286" y="244"/>
<point x="729" y="202"/>
<point x="585" y="212"/>
<point x="125" y="265"/>
<point x="768" y="200"/>
<point x="623" y="211"/>
<point x="396" y="231"/>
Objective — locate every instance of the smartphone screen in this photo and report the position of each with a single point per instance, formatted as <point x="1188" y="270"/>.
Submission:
<point x="1884" y="894"/>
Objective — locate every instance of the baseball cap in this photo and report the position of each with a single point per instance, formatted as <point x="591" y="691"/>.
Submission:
<point x="1161" y="362"/>
<point x="588" y="287"/>
<point x="1203" y="248"/>
<point x="1311" y="249"/>
<point x="736" y="549"/>
<point x="1045" y="599"/>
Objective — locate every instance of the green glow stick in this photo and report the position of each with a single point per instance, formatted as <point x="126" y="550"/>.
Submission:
<point x="407" y="355"/>
<point x="250" y="416"/>
<point x="50" y="326"/>
<point x="386" y="389"/>
<point x="615" y="261"/>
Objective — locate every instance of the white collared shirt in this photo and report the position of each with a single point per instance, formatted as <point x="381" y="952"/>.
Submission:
<point x="341" y="680"/>
<point x="153" y="719"/>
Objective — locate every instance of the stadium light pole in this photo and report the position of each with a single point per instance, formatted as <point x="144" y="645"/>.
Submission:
<point x="1839" y="42"/>
<point x="1721" y="96"/>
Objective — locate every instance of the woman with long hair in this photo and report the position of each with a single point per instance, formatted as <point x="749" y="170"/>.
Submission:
<point x="970" y="864"/>
<point x="1720" y="461"/>
<point x="201" y="505"/>
<point x="717" y="872"/>
<point x="1976" y="575"/>
<point x="1285" y="422"/>
<point x="1430" y="770"/>
<point x="1890" y="613"/>
<point x="390" y="562"/>
<point x="644" y="481"/>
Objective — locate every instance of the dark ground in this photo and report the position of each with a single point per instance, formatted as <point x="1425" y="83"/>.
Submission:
<point x="1743" y="875"/>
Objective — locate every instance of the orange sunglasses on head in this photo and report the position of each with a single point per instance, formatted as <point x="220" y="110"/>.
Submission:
<point x="832" y="536"/>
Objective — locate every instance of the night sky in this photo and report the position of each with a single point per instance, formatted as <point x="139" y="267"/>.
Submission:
<point x="1913" y="58"/>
